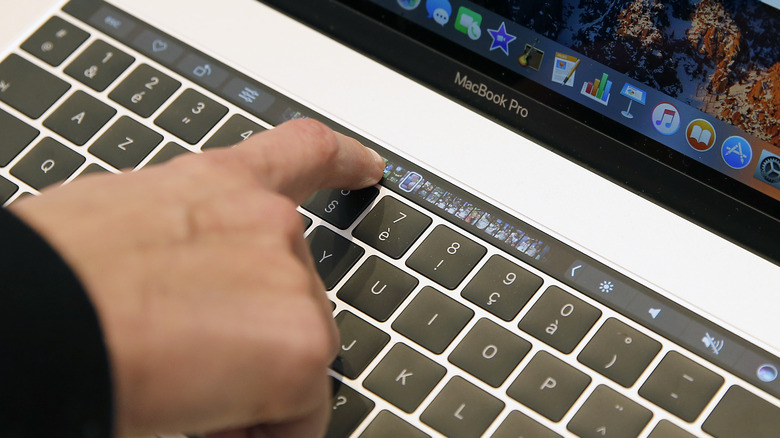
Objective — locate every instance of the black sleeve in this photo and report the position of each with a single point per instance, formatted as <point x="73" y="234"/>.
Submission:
<point x="55" y="378"/>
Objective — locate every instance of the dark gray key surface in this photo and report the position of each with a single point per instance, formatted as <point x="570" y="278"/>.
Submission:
<point x="350" y="408"/>
<point x="49" y="162"/>
<point x="741" y="413"/>
<point x="306" y="221"/>
<point x="79" y="117"/>
<point x="559" y="319"/>
<point x="667" y="429"/>
<point x="388" y="425"/>
<point x="144" y="90"/>
<point x="519" y="425"/>
<point x="404" y="377"/>
<point x="548" y="386"/>
<point x="360" y="343"/>
<point x="461" y="410"/>
<point x="237" y="129"/>
<point x="432" y="319"/>
<point x="446" y="257"/>
<point x="490" y="352"/>
<point x="681" y="386"/>
<point x="167" y="152"/>
<point x="619" y="352"/>
<point x="333" y="255"/>
<point x="391" y="227"/>
<point x="7" y="189"/>
<point x="340" y="207"/>
<point x="93" y="168"/>
<point x="27" y="87"/>
<point x="99" y="65"/>
<point x="55" y="41"/>
<point x="191" y="116"/>
<point x="16" y="135"/>
<point x="502" y="288"/>
<point x="609" y="413"/>
<point x="377" y="288"/>
<point x="125" y="144"/>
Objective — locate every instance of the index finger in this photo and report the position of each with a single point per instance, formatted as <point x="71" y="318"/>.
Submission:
<point x="300" y="157"/>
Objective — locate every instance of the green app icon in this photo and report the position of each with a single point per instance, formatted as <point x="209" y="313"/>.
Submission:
<point x="469" y="22"/>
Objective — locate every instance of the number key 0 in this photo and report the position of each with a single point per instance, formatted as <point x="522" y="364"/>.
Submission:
<point x="446" y="257"/>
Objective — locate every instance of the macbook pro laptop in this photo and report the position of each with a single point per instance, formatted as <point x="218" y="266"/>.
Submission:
<point x="578" y="229"/>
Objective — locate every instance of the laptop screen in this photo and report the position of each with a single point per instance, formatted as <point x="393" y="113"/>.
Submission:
<point x="687" y="84"/>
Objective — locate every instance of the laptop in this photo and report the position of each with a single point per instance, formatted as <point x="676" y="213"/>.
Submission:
<point x="578" y="229"/>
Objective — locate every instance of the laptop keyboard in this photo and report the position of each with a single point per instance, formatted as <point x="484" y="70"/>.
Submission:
<point x="443" y="332"/>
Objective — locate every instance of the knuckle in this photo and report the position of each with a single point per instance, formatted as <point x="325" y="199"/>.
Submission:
<point x="286" y="219"/>
<point x="321" y="139"/>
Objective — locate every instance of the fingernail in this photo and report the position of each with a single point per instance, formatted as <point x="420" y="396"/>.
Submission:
<point x="381" y="162"/>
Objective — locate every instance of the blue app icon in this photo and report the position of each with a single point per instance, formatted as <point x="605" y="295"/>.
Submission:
<point x="439" y="10"/>
<point x="409" y="4"/>
<point x="736" y="152"/>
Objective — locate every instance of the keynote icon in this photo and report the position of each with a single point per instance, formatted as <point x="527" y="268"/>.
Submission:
<point x="700" y="135"/>
<point x="666" y="118"/>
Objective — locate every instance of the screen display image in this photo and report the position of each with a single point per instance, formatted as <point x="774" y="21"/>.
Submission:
<point x="692" y="76"/>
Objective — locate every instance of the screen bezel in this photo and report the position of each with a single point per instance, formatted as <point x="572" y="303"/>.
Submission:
<point x="648" y="168"/>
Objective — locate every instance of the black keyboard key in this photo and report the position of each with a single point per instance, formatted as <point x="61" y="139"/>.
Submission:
<point x="404" y="377"/>
<point x="350" y="408"/>
<point x="681" y="386"/>
<point x="306" y="221"/>
<point x="79" y="117"/>
<point x="333" y="255"/>
<point x="461" y="410"/>
<point x="27" y="87"/>
<point x="446" y="257"/>
<point x="167" y="152"/>
<point x="49" y="162"/>
<point x="548" y="386"/>
<point x="360" y="343"/>
<point x="16" y="135"/>
<point x="391" y="227"/>
<point x="388" y="425"/>
<point x="7" y="189"/>
<point x="502" y="288"/>
<point x="518" y="424"/>
<point x="741" y="413"/>
<point x="432" y="319"/>
<point x="125" y="144"/>
<point x="237" y="129"/>
<point x="99" y="65"/>
<point x="619" y="352"/>
<point x="93" y="168"/>
<point x="191" y="116"/>
<point x="609" y="413"/>
<point x="144" y="90"/>
<point x="667" y="429"/>
<point x="559" y="319"/>
<point x="55" y="41"/>
<point x="377" y="288"/>
<point x="340" y="207"/>
<point x="490" y="352"/>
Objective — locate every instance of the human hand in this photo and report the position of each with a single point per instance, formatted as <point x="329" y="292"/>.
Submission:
<point x="213" y="313"/>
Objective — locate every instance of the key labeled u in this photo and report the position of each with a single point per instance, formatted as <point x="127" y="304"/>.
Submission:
<point x="374" y="288"/>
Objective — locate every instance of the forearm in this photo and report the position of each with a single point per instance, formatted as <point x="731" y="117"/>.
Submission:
<point x="54" y="367"/>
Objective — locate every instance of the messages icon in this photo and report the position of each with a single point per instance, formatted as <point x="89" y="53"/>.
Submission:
<point x="439" y="10"/>
<point x="469" y="22"/>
